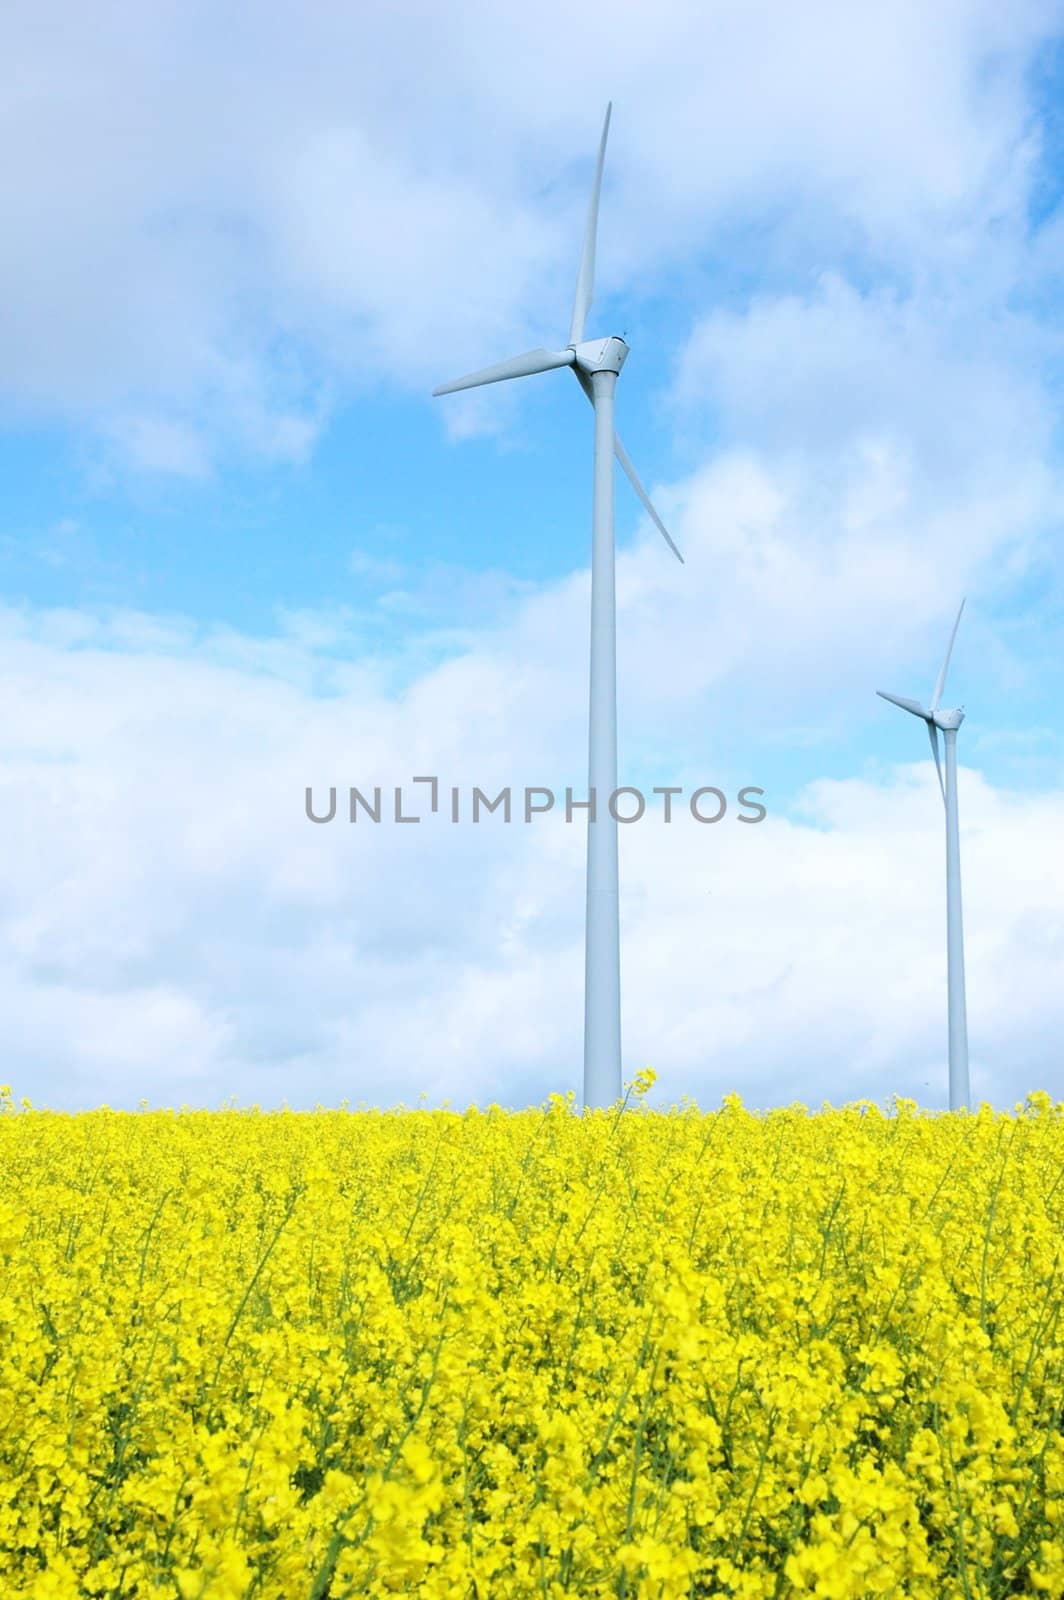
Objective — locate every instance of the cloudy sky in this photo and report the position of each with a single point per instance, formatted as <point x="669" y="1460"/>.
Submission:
<point x="242" y="551"/>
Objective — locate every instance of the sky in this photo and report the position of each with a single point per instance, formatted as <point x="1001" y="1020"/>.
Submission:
<point x="243" y="551"/>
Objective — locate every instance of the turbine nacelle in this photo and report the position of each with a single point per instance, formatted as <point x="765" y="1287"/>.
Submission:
<point x="600" y="355"/>
<point x="949" y="721"/>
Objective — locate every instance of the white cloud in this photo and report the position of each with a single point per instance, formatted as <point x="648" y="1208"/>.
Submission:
<point x="172" y="927"/>
<point x="154" y="444"/>
<point x="219" y="223"/>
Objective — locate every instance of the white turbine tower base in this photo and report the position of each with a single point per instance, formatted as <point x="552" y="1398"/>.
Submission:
<point x="596" y="364"/>
<point x="949" y="722"/>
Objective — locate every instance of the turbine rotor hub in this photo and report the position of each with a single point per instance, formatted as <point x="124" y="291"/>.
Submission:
<point x="600" y="355"/>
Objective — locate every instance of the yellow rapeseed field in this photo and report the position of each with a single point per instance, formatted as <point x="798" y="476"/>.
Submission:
<point x="312" y="1356"/>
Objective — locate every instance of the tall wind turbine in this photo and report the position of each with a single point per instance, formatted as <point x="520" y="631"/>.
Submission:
<point x="949" y="722"/>
<point x="596" y="364"/>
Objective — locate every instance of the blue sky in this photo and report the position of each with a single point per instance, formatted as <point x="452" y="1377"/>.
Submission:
<point x="242" y="549"/>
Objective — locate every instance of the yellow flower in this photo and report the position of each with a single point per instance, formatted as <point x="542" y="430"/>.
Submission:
<point x="472" y="1353"/>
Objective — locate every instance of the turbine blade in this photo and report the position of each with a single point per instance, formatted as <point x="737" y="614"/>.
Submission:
<point x="522" y="366"/>
<point x="907" y="705"/>
<point x="941" y="684"/>
<point x="585" y="280"/>
<point x="933" y="735"/>
<point x="622" y="456"/>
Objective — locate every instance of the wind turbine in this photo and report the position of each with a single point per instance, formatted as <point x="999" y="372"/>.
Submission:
<point x="596" y="364"/>
<point x="949" y="722"/>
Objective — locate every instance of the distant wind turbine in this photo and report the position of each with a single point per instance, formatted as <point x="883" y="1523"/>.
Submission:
<point x="596" y="364"/>
<point x="949" y="722"/>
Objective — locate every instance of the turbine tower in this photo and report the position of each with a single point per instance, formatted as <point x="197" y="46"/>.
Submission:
<point x="949" y="722"/>
<point x="596" y="364"/>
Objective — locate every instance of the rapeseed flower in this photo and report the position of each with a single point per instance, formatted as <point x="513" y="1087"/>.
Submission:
<point x="336" y="1355"/>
